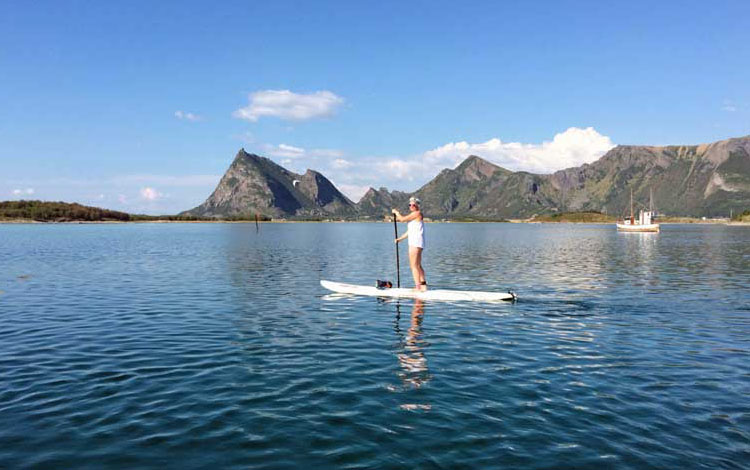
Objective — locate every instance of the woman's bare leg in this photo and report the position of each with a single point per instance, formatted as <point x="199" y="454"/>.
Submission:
<point x="413" y="256"/>
<point x="415" y="261"/>
<point x="422" y="280"/>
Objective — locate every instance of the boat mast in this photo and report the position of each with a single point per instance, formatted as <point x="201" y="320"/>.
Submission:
<point x="632" y="218"/>
<point x="651" y="200"/>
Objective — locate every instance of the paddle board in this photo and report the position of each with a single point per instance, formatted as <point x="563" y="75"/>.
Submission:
<point x="432" y="294"/>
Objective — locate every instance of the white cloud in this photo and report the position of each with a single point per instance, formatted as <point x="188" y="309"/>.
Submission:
<point x="285" y="151"/>
<point x="405" y="169"/>
<point x="182" y="115"/>
<point x="289" y="106"/>
<point x="573" y="147"/>
<point x="340" y="164"/>
<point x="150" y="194"/>
<point x="23" y="192"/>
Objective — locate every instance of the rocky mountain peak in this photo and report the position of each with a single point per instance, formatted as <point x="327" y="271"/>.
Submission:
<point x="318" y="188"/>
<point x="378" y="202"/>
<point x="707" y="179"/>
<point x="475" y="168"/>
<point x="257" y="185"/>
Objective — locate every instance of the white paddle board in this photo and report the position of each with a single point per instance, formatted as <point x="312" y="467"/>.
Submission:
<point x="437" y="294"/>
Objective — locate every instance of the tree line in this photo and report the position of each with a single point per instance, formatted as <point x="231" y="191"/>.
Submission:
<point x="44" y="211"/>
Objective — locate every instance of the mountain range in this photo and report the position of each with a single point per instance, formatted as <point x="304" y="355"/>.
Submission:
<point x="687" y="180"/>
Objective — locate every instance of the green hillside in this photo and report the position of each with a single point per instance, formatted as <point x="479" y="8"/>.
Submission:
<point x="42" y="211"/>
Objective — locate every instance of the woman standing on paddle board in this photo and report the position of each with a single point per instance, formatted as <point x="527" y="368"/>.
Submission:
<point x="415" y="234"/>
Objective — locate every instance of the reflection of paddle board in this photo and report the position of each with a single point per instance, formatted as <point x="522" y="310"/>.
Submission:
<point x="439" y="294"/>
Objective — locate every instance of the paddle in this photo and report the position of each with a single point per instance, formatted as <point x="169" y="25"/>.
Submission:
<point x="398" y="271"/>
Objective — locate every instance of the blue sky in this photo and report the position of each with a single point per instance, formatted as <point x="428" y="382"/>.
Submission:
<point x="141" y="106"/>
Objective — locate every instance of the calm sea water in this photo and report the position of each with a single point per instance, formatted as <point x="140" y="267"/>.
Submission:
<point x="213" y="346"/>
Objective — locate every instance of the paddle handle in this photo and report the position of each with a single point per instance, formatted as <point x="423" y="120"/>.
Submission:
<point x="398" y="270"/>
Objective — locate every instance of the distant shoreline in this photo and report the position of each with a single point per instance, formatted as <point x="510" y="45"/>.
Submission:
<point x="671" y="221"/>
<point x="44" y="212"/>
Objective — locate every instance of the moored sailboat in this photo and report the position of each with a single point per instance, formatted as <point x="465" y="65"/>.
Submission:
<point x="644" y="223"/>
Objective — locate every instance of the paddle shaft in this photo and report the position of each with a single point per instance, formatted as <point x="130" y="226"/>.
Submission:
<point x="398" y="270"/>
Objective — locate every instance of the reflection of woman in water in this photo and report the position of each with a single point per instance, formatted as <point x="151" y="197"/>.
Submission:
<point x="412" y="358"/>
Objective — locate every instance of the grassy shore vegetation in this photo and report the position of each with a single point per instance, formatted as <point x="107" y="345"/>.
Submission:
<point x="674" y="219"/>
<point x="576" y="217"/>
<point x="43" y="211"/>
<point x="744" y="217"/>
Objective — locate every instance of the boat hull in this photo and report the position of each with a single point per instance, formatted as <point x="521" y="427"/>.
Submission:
<point x="638" y="228"/>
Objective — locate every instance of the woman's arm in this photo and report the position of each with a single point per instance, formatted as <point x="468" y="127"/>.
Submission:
<point x="402" y="237"/>
<point x="406" y="218"/>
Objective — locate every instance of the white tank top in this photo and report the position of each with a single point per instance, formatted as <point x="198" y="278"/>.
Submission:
<point x="415" y="229"/>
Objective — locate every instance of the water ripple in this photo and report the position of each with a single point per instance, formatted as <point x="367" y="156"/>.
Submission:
<point x="193" y="345"/>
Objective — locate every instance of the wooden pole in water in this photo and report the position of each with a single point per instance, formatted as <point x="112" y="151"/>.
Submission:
<point x="398" y="270"/>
